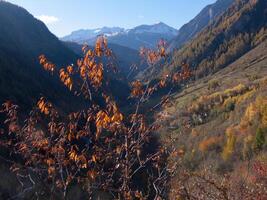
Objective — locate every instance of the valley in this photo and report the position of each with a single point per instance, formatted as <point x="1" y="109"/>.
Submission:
<point x="149" y="112"/>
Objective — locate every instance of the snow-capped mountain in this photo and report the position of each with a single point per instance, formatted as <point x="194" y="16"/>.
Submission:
<point x="83" y="35"/>
<point x="160" y="28"/>
<point x="143" y="35"/>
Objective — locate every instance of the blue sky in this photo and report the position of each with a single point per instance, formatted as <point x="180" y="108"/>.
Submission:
<point x="64" y="16"/>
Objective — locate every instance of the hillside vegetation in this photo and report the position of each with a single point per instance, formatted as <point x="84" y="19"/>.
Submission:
<point x="110" y="122"/>
<point x="241" y="28"/>
<point x="219" y="124"/>
<point x="188" y="31"/>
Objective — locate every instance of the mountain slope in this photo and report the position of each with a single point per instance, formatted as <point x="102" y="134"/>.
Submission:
<point x="242" y="27"/>
<point x="192" y="28"/>
<point x="144" y="35"/>
<point x="124" y="58"/>
<point x="22" y="39"/>
<point x="215" y="122"/>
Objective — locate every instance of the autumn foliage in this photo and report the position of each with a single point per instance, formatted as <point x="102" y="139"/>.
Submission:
<point x="99" y="148"/>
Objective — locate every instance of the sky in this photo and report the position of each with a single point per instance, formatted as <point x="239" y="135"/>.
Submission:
<point x="64" y="16"/>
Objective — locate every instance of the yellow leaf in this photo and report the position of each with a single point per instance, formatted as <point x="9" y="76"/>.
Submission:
<point x="94" y="158"/>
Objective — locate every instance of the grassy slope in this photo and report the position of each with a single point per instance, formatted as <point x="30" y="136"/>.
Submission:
<point x="190" y="128"/>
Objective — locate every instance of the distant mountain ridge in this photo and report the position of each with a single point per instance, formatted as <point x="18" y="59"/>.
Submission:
<point x="147" y="35"/>
<point x="143" y="35"/>
<point x="81" y="35"/>
<point x="160" y="28"/>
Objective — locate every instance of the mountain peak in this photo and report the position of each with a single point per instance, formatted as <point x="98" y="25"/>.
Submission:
<point x="80" y="35"/>
<point x="161" y="24"/>
<point x="159" y="27"/>
<point x="143" y="35"/>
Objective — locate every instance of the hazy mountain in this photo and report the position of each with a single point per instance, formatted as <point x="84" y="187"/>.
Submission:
<point x="22" y="39"/>
<point x="124" y="58"/>
<point x="192" y="28"/>
<point x="144" y="35"/>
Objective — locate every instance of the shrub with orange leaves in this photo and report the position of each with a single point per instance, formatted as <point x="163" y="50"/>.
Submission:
<point x="154" y="56"/>
<point x="48" y="66"/>
<point x="137" y="89"/>
<point x="98" y="147"/>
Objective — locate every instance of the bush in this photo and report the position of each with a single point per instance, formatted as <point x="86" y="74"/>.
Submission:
<point x="213" y="84"/>
<point x="260" y="138"/>
<point x="230" y="143"/>
<point x="247" y="151"/>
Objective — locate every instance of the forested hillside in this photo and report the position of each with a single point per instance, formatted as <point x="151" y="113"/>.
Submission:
<point x="238" y="30"/>
<point x="192" y="28"/>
